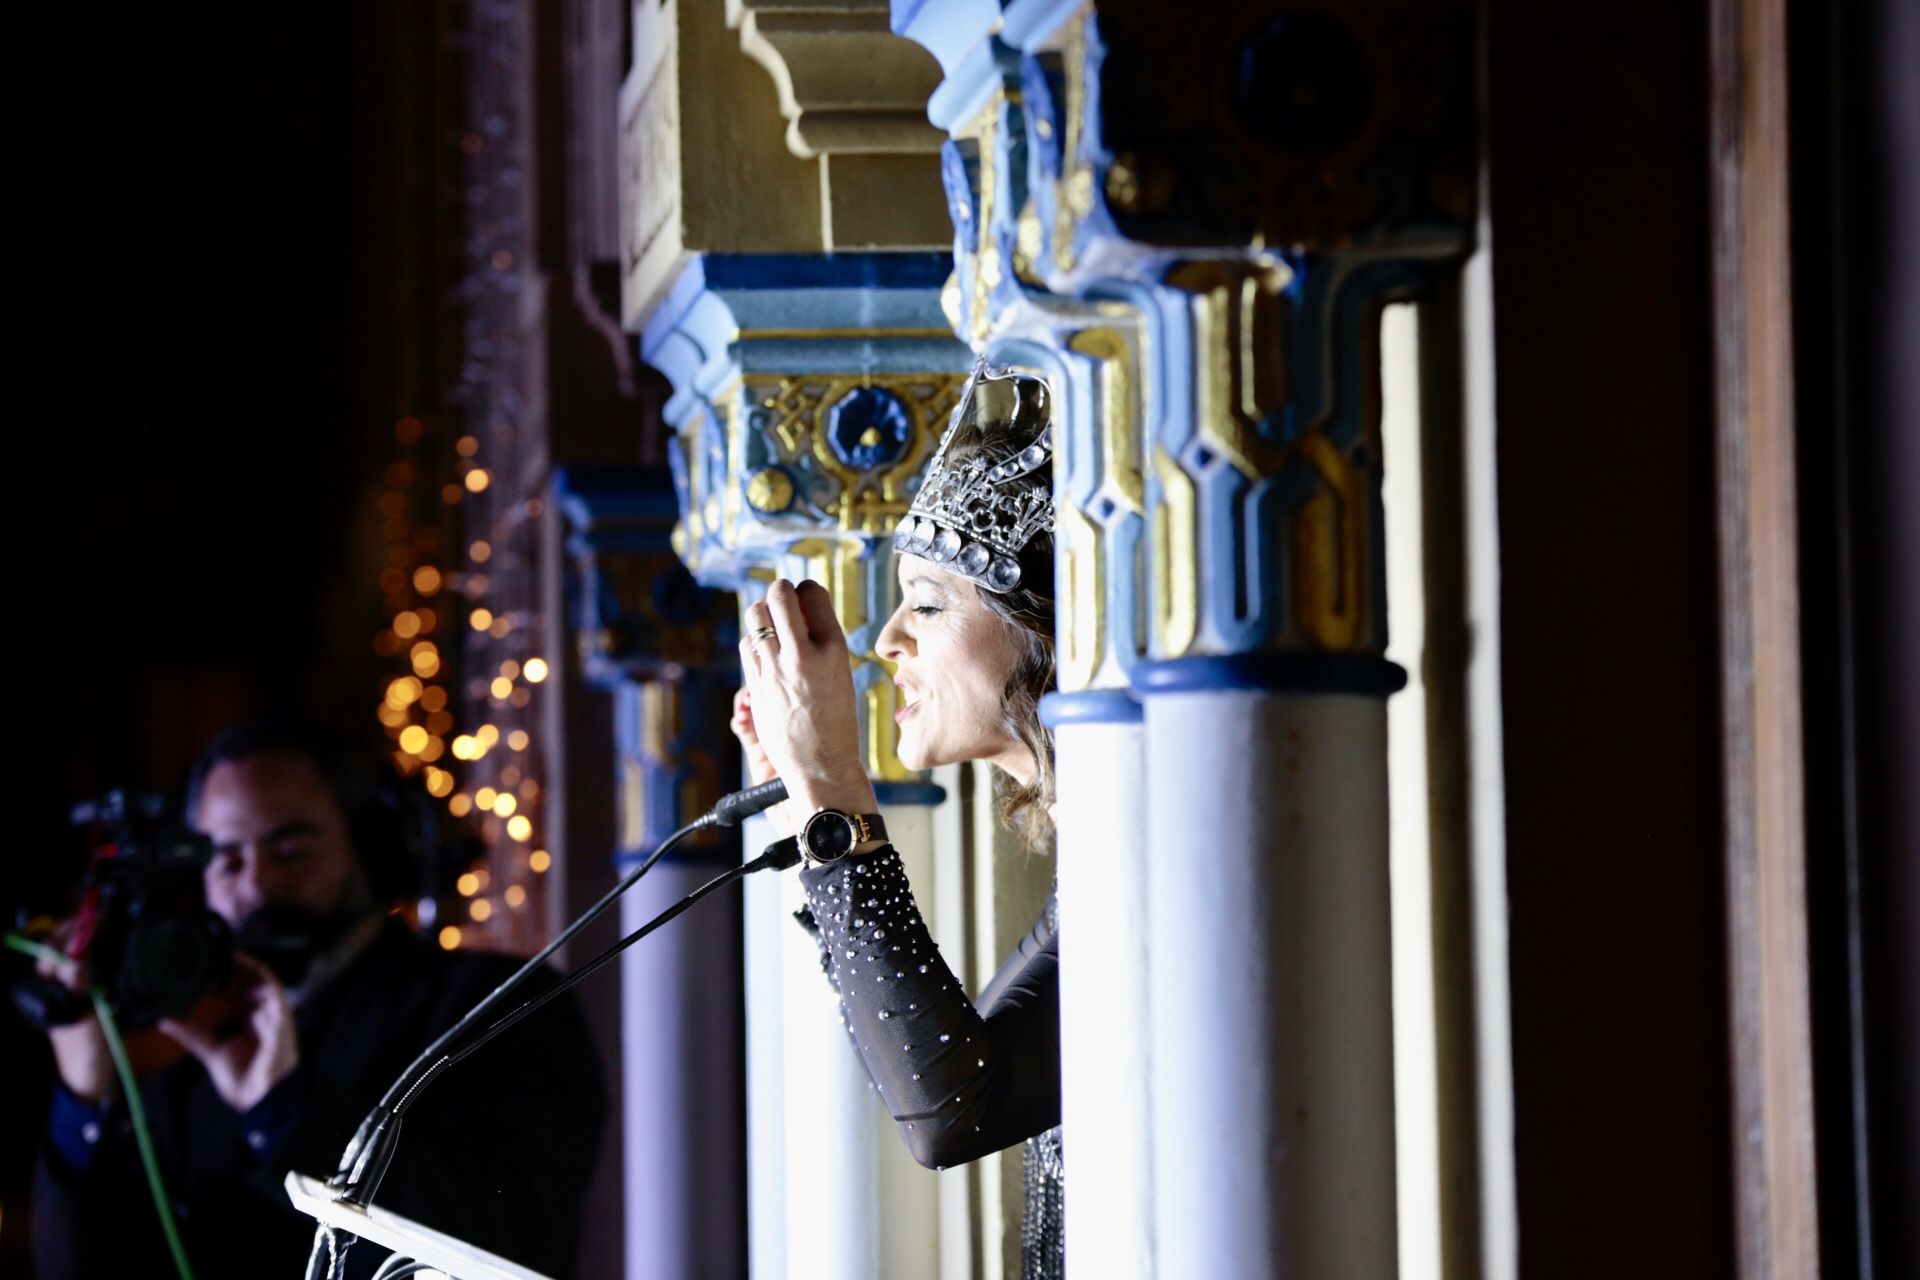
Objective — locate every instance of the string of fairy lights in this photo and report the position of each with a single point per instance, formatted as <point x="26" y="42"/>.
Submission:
<point x="460" y="586"/>
<point x="473" y="751"/>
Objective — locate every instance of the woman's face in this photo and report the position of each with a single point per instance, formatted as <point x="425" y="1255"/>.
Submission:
<point x="952" y="657"/>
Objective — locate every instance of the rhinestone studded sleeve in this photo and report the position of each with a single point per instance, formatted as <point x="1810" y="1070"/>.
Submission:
<point x="960" y="1082"/>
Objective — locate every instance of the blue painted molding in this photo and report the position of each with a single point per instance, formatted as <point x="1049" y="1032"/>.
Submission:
<point x="906" y="793"/>
<point x="1272" y="673"/>
<point x="1090" y="706"/>
<point x="918" y="269"/>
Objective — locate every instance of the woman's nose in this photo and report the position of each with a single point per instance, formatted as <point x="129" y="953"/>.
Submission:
<point x="893" y="642"/>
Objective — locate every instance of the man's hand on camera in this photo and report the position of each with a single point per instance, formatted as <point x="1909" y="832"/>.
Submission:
<point x="246" y="1060"/>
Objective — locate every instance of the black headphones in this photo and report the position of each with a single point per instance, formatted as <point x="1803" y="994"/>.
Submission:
<point x="390" y="819"/>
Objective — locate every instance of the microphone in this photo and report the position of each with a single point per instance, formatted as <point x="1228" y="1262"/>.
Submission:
<point x="364" y="1163"/>
<point x="737" y="807"/>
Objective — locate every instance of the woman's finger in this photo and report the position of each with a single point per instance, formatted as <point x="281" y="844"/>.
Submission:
<point x="757" y="623"/>
<point x="816" y="606"/>
<point x="783" y="603"/>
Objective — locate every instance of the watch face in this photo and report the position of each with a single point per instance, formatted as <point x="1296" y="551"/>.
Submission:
<point x="828" y="835"/>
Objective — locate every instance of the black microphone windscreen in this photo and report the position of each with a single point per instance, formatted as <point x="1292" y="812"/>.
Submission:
<point x="741" y="805"/>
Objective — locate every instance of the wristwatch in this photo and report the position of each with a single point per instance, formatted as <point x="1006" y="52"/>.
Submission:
<point x="830" y="835"/>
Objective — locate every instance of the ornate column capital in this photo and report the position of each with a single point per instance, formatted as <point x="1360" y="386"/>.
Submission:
<point x="1202" y="211"/>
<point x="809" y="393"/>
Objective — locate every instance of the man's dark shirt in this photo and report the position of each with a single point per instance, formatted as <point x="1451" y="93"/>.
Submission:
<point x="497" y="1152"/>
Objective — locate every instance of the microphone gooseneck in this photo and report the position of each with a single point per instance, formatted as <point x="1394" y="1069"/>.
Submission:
<point x="364" y="1163"/>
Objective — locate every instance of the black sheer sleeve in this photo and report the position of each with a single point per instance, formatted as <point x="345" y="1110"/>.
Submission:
<point x="959" y="1081"/>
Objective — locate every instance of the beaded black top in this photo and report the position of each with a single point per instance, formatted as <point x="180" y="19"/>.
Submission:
<point x="961" y="1078"/>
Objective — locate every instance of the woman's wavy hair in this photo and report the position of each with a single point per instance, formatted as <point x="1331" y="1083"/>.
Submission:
<point x="1028" y="612"/>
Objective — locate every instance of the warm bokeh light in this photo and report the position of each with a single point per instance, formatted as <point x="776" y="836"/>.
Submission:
<point x="402" y="691"/>
<point x="481" y="619"/>
<point x="468" y="884"/>
<point x="426" y="660"/>
<point x="449" y="938"/>
<point x="517" y="740"/>
<point x="501" y="626"/>
<point x="413" y="739"/>
<point x="439" y="722"/>
<point x="540" y="860"/>
<point x="426" y="579"/>
<point x="406" y="625"/>
<point x="510" y="669"/>
<point x="535" y="670"/>
<point x="480" y="552"/>
<point x="433" y="698"/>
<point x="521" y="697"/>
<point x="451" y="494"/>
<point x="484" y="797"/>
<point x="428" y="619"/>
<point x="391" y="716"/>
<point x="434" y="749"/>
<point x="520" y="827"/>
<point x="466" y="446"/>
<point x="439" y="783"/>
<point x="477" y="480"/>
<point x="479" y="908"/>
<point x="516" y="896"/>
<point x="501" y="687"/>
<point x="409" y="430"/>
<point x="488" y="735"/>
<point x="505" y="803"/>
<point x="460" y="804"/>
<point x="530" y="791"/>
<point x="509" y="776"/>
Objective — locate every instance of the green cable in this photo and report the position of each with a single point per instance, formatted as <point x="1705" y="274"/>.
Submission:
<point x="123" y="1066"/>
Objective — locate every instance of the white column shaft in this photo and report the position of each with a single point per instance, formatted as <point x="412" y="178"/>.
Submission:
<point x="1104" y="1032"/>
<point x="1270" y="991"/>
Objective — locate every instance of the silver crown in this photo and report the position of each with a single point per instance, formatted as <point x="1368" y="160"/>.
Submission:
<point x="970" y="519"/>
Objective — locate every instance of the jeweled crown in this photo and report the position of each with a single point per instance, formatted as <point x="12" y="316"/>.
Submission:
<point x="977" y="518"/>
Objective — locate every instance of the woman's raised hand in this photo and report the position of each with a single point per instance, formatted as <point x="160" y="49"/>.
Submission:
<point x="759" y="768"/>
<point x="800" y="702"/>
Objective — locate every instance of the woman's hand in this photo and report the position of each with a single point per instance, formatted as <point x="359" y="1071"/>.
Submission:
<point x="759" y="768"/>
<point x="800" y="699"/>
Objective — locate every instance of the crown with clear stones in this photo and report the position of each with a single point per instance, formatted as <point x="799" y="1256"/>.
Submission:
<point x="974" y="519"/>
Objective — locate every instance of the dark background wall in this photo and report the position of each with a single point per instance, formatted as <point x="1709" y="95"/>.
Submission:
<point x="1598" y="144"/>
<point x="197" y="438"/>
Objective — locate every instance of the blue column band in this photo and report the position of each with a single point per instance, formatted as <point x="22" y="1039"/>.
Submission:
<point x="1090" y="706"/>
<point x="1362" y="674"/>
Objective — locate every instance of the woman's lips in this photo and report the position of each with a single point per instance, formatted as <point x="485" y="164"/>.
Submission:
<point x="900" y="716"/>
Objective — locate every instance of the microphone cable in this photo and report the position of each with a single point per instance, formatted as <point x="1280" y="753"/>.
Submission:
<point x="364" y="1163"/>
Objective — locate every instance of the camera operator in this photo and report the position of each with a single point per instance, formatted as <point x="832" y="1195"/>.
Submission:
<point x="329" y="999"/>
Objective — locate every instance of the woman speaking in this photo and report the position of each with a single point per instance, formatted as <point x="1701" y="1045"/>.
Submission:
<point x="972" y="646"/>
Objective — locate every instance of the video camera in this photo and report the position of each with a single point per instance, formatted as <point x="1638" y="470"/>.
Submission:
<point x="143" y="924"/>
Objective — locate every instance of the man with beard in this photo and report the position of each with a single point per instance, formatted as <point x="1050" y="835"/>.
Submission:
<point x="331" y="998"/>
